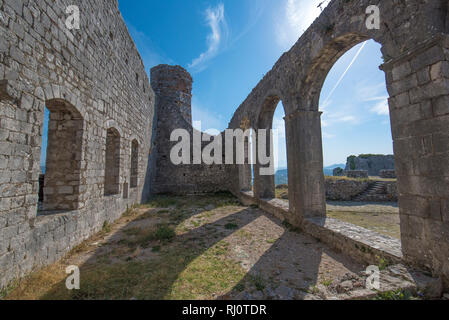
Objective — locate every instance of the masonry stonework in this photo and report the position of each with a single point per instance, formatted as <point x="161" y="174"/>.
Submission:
<point x="102" y="106"/>
<point x="414" y="38"/>
<point x="91" y="80"/>
<point x="173" y="88"/>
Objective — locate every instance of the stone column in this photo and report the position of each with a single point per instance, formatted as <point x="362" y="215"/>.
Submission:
<point x="418" y="83"/>
<point x="264" y="185"/>
<point x="305" y="165"/>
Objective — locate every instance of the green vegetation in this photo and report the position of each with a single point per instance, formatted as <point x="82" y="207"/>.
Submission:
<point x="395" y="295"/>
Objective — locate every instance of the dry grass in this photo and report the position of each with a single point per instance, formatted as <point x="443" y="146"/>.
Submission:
<point x="383" y="223"/>
<point x="146" y="262"/>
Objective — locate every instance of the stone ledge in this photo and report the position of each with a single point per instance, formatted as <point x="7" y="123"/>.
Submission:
<point x="409" y="54"/>
<point x="361" y="244"/>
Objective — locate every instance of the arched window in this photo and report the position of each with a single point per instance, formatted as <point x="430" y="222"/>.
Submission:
<point x="61" y="158"/>
<point x="112" y="163"/>
<point x="134" y="164"/>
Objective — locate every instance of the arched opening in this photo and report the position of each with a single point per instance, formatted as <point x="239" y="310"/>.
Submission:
<point x="267" y="170"/>
<point x="61" y="153"/>
<point x="243" y="142"/>
<point x="134" y="164"/>
<point x="112" y="163"/>
<point x="357" y="142"/>
<point x="280" y="153"/>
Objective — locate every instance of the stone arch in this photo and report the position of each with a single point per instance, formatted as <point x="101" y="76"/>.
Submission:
<point x="53" y="92"/>
<point x="316" y="73"/>
<point x="245" y="170"/>
<point x="63" y="178"/>
<point x="264" y="184"/>
<point x="110" y="123"/>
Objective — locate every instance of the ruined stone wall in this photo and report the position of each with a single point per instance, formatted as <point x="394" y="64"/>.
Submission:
<point x="414" y="37"/>
<point x="345" y="189"/>
<point x="371" y="163"/>
<point x="173" y="89"/>
<point x="91" y="79"/>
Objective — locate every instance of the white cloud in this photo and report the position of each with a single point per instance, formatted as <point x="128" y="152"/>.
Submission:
<point x="296" y="17"/>
<point x="215" y="18"/>
<point x="339" y="117"/>
<point x="381" y="108"/>
<point x="327" y="135"/>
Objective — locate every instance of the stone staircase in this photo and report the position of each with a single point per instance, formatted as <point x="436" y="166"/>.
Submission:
<point x="373" y="193"/>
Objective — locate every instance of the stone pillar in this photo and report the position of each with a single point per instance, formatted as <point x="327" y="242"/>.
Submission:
<point x="264" y="185"/>
<point x="305" y="165"/>
<point x="418" y="83"/>
<point x="245" y="174"/>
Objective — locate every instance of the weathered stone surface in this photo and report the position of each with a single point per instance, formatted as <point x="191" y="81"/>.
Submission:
<point x="88" y="82"/>
<point x="387" y="174"/>
<point x="97" y="79"/>
<point x="371" y="163"/>
<point x="344" y="189"/>
<point x="357" y="174"/>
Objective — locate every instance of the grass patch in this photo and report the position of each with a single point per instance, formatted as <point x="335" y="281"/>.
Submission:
<point x="162" y="202"/>
<point x="383" y="223"/>
<point x="143" y="237"/>
<point x="395" y="295"/>
<point x="231" y="226"/>
<point x="106" y="228"/>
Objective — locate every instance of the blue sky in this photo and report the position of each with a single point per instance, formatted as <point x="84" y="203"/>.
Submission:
<point x="228" y="46"/>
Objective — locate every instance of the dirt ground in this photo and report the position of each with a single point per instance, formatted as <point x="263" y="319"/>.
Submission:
<point x="207" y="247"/>
<point x="380" y="217"/>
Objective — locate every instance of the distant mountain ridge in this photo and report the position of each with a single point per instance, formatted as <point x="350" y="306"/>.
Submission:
<point x="281" y="176"/>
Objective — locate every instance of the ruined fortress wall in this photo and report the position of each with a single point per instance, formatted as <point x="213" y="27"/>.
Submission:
<point x="371" y="163"/>
<point x="173" y="88"/>
<point x="94" y="83"/>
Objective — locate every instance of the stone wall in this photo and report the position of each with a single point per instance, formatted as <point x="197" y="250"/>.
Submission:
<point x="416" y="59"/>
<point x="91" y="80"/>
<point x="345" y="189"/>
<point x="371" y="163"/>
<point x="173" y="88"/>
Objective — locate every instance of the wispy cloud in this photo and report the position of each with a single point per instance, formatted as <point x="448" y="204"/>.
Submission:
<point x="345" y="72"/>
<point x="215" y="18"/>
<point x="381" y="108"/>
<point x="296" y="17"/>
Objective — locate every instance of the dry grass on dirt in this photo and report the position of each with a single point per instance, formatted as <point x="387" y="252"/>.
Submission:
<point x="377" y="217"/>
<point x="204" y="247"/>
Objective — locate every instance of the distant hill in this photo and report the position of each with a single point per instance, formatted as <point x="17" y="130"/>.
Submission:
<point x="329" y="171"/>
<point x="281" y="176"/>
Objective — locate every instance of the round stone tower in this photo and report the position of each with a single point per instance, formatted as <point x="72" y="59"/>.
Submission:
<point x="173" y="88"/>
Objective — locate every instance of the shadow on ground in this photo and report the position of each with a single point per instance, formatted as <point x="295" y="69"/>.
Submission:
<point x="220" y="250"/>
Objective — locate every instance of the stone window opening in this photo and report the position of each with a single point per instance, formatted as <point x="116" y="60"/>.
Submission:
<point x="265" y="185"/>
<point x="134" y="164"/>
<point x="112" y="163"/>
<point x="61" y="155"/>
<point x="367" y="186"/>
